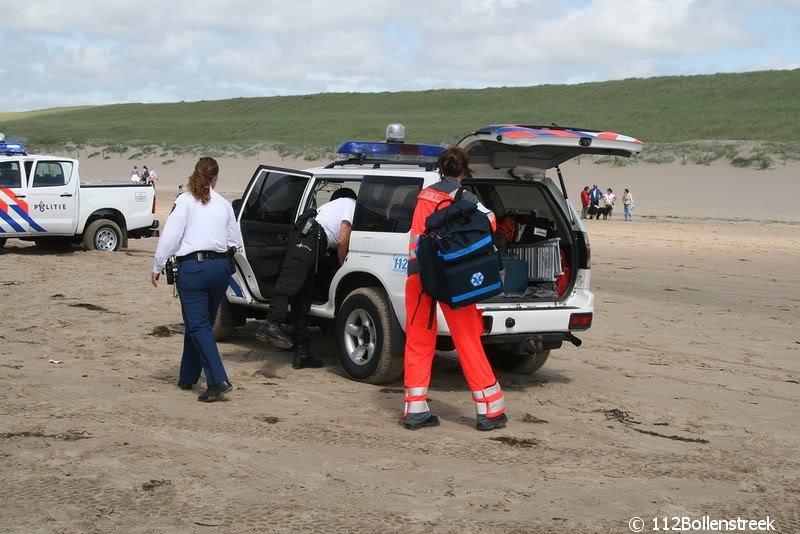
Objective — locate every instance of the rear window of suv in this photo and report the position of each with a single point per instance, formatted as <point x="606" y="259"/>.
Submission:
<point x="514" y="198"/>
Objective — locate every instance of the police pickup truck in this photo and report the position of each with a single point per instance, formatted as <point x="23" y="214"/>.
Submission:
<point x="546" y="298"/>
<point x="43" y="199"/>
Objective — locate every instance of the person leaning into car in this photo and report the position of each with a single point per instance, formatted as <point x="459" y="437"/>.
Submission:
<point x="200" y="230"/>
<point x="314" y="233"/>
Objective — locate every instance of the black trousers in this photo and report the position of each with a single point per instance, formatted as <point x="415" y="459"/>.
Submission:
<point x="295" y="284"/>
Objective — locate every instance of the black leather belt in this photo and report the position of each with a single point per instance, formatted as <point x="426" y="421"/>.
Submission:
<point x="201" y="255"/>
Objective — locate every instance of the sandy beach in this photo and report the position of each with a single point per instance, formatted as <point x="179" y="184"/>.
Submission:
<point x="684" y="399"/>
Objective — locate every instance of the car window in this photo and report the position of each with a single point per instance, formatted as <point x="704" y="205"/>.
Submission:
<point x="52" y="173"/>
<point x="386" y="203"/>
<point x="324" y="189"/>
<point x="274" y="198"/>
<point x="514" y="198"/>
<point x="10" y="175"/>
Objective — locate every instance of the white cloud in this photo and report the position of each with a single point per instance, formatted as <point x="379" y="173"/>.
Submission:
<point x="208" y="49"/>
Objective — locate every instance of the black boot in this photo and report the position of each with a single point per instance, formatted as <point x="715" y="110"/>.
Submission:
<point x="491" y="423"/>
<point x="303" y="358"/>
<point x="271" y="332"/>
<point x="433" y="420"/>
<point x="215" y="392"/>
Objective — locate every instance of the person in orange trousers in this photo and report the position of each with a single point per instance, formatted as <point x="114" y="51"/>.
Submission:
<point x="465" y="323"/>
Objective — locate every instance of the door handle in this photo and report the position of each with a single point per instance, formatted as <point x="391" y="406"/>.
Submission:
<point x="66" y="194"/>
<point x="283" y="239"/>
<point x="20" y="196"/>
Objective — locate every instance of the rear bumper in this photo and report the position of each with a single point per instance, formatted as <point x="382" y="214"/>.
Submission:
<point x="150" y="231"/>
<point x="533" y="342"/>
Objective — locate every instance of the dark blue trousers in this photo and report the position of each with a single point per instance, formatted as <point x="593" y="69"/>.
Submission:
<point x="201" y="286"/>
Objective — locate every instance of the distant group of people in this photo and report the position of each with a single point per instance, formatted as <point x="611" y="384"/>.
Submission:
<point x="595" y="203"/>
<point x="145" y="176"/>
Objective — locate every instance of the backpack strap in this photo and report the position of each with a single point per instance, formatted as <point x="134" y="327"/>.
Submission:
<point x="432" y="313"/>
<point x="419" y="300"/>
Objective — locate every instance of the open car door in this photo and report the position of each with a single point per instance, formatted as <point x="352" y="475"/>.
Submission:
<point x="268" y="211"/>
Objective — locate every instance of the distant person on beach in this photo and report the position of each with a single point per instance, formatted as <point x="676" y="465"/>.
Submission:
<point x="584" y="201"/>
<point x="608" y="200"/>
<point x="145" y="174"/>
<point x="135" y="174"/>
<point x="627" y="205"/>
<point x="152" y="177"/>
<point x="595" y="195"/>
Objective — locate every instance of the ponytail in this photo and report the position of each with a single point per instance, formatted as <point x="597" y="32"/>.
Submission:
<point x="200" y="180"/>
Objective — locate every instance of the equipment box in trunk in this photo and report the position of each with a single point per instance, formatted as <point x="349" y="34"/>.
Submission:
<point x="544" y="260"/>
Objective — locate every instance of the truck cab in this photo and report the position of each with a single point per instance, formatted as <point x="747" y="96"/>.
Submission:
<point x="363" y="301"/>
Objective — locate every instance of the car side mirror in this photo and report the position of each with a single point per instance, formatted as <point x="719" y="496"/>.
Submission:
<point x="237" y="206"/>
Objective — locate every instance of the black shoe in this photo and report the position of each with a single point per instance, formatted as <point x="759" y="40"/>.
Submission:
<point x="214" y="392"/>
<point x="433" y="420"/>
<point x="303" y="360"/>
<point x="184" y="385"/>
<point x="491" y="423"/>
<point x="271" y="332"/>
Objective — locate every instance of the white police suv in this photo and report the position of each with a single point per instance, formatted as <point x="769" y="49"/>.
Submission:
<point x="545" y="247"/>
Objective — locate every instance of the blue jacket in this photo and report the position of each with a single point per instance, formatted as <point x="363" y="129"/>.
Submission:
<point x="595" y="195"/>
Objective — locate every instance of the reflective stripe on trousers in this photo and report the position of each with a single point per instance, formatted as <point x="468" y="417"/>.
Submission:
<point x="489" y="401"/>
<point x="416" y="401"/>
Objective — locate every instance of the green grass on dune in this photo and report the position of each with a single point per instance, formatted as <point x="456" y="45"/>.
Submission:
<point x="665" y="112"/>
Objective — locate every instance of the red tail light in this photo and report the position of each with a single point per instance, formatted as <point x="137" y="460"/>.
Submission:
<point x="580" y="321"/>
<point x="584" y="251"/>
<point x="154" y="202"/>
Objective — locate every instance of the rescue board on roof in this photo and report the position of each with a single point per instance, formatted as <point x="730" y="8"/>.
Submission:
<point x="543" y="147"/>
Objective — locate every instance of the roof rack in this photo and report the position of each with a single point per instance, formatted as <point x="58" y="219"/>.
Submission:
<point x="376" y="164"/>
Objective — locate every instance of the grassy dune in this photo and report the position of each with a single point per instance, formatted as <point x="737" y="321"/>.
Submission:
<point x="757" y="114"/>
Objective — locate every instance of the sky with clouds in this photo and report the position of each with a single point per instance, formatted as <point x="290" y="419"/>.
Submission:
<point x="66" y="53"/>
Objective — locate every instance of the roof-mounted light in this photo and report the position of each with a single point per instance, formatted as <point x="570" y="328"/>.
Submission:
<point x="396" y="133"/>
<point x="378" y="151"/>
<point x="9" y="147"/>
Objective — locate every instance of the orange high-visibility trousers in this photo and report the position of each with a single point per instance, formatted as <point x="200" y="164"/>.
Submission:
<point x="466" y="327"/>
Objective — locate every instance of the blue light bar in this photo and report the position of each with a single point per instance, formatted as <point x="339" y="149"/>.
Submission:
<point x="9" y="148"/>
<point x="379" y="151"/>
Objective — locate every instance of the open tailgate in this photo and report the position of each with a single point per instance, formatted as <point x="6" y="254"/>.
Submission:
<point x="543" y="147"/>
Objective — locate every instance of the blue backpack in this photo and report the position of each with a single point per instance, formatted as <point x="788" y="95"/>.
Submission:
<point x="458" y="262"/>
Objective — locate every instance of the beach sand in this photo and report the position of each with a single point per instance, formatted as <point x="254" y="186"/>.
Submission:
<point x="682" y="401"/>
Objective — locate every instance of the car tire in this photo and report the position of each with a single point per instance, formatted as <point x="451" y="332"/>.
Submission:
<point x="366" y="332"/>
<point x="224" y="325"/>
<point x="521" y="364"/>
<point x="104" y="235"/>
